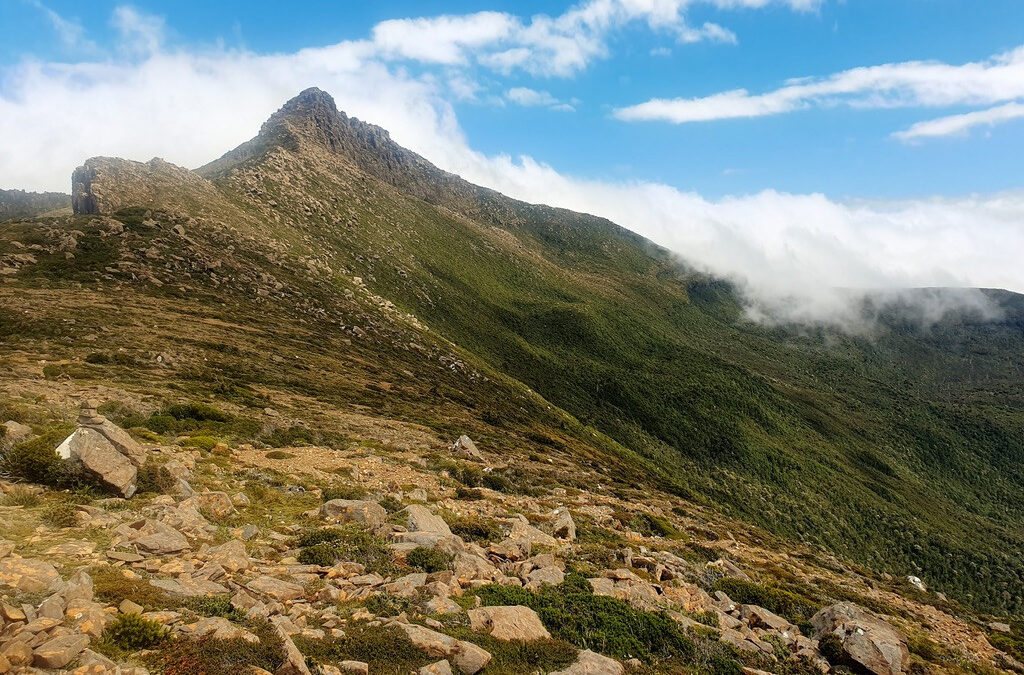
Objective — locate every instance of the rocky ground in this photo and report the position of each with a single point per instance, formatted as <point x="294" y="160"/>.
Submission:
<point x="376" y="558"/>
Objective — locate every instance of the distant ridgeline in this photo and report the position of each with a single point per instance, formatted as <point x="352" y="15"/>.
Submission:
<point x="21" y="204"/>
<point x="902" y="448"/>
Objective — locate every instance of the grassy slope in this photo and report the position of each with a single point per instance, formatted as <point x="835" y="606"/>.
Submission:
<point x="865" y="445"/>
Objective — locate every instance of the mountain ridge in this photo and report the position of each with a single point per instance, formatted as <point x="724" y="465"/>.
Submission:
<point x="848" y="443"/>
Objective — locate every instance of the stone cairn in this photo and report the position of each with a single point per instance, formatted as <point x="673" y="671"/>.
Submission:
<point x="104" y="451"/>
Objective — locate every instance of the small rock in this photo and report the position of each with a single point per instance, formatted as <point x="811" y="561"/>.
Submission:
<point x="592" y="663"/>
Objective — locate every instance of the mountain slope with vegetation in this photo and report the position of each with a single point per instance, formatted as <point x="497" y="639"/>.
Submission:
<point x="325" y="287"/>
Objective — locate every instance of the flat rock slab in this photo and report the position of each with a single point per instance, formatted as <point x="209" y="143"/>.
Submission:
<point x="28" y="574"/>
<point x="277" y="589"/>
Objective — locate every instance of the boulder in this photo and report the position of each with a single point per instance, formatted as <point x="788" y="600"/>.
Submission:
<point x="14" y="433"/>
<point x="563" y="526"/>
<point x="160" y="539"/>
<point x="295" y="662"/>
<point x="276" y="589"/>
<point x="508" y="623"/>
<point x="367" y="513"/>
<point x="466" y="656"/>
<point x="592" y="663"/>
<point x="522" y="530"/>
<point x="465" y="448"/>
<point x="215" y="504"/>
<point x="420" y="519"/>
<point x="869" y="641"/>
<point x="231" y="556"/>
<point x="100" y="460"/>
<point x="60" y="651"/>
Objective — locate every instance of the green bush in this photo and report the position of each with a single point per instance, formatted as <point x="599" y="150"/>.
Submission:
<point x="279" y="454"/>
<point x="60" y="514"/>
<point x="161" y="424"/>
<point x="210" y="656"/>
<point x="130" y="633"/>
<point x="215" y="605"/>
<point x="571" y="612"/>
<point x="429" y="559"/>
<point x="154" y="478"/>
<point x="206" y="443"/>
<point x="20" y="496"/>
<point x="113" y="588"/>
<point x="468" y="494"/>
<point x="390" y="504"/>
<point x="831" y="647"/>
<point x="200" y="412"/>
<point x="386" y="604"/>
<point x="35" y="460"/>
<point x="784" y="603"/>
<point x="351" y="543"/>
<point x="387" y="649"/>
<point x="515" y="657"/>
<point x="474" y="528"/>
<point x="646" y="524"/>
<point x="343" y="491"/>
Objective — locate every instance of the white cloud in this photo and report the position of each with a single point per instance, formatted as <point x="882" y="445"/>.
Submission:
<point x="547" y="45"/>
<point x="789" y="251"/>
<point x="527" y="97"/>
<point x="961" y="124"/>
<point x="141" y="33"/>
<point x="443" y="39"/>
<point x="908" y="84"/>
<point x="70" y="33"/>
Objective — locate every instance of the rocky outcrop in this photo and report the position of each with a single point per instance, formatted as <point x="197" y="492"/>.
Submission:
<point x="869" y="641"/>
<point x="465" y="448"/>
<point x="508" y="623"/>
<point x="105" y="185"/>
<point x="365" y="512"/>
<point x="466" y="656"/>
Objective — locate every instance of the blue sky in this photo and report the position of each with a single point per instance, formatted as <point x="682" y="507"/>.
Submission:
<point x="786" y="144"/>
<point x="838" y="151"/>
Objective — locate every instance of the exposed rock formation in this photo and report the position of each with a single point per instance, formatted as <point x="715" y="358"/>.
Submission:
<point x="867" y="640"/>
<point x="104" y="451"/>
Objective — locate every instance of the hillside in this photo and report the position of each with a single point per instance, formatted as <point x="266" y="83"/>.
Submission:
<point x="334" y="295"/>
<point x="16" y="204"/>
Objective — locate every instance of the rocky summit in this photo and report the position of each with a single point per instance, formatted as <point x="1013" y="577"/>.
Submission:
<point x="321" y="407"/>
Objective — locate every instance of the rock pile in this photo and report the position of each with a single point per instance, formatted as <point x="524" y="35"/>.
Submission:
<point x="104" y="451"/>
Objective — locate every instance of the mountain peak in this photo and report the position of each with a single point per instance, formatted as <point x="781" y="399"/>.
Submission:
<point x="313" y="118"/>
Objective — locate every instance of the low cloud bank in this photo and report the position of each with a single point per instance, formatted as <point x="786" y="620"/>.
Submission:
<point x="794" y="257"/>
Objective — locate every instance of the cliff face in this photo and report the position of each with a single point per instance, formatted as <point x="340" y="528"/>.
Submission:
<point x="104" y="185"/>
<point x="15" y="204"/>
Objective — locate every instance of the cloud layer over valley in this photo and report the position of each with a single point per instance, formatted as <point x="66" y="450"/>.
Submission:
<point x="790" y="252"/>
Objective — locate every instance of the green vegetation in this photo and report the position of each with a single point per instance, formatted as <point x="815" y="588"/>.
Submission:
<point x="326" y="546"/>
<point x="429" y="559"/>
<point x="130" y="633"/>
<point x="61" y="513"/>
<point x="35" y="461"/>
<point x="782" y="602"/>
<point x="21" y="497"/>
<point x="210" y="656"/>
<point x="387" y="649"/>
<point x="112" y="587"/>
<point x="571" y="612"/>
<point x="472" y="527"/>
<point x="215" y="605"/>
